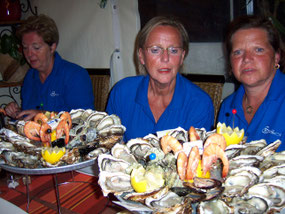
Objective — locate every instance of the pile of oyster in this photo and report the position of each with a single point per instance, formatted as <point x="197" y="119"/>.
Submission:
<point x="92" y="133"/>
<point x="255" y="182"/>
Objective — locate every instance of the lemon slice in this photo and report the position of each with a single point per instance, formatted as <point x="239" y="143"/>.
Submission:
<point x="232" y="136"/>
<point x="52" y="155"/>
<point x="143" y="180"/>
<point x="155" y="179"/>
<point x="138" y="181"/>
<point x="53" y="135"/>
<point x="199" y="172"/>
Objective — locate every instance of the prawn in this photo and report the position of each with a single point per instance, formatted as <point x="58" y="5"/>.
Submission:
<point x="169" y="143"/>
<point x="2" y="111"/>
<point x="210" y="155"/>
<point x="216" y="139"/>
<point x="193" y="135"/>
<point x="193" y="161"/>
<point x="32" y="130"/>
<point x="66" y="116"/>
<point x="41" y="118"/>
<point x="45" y="134"/>
<point x="62" y="128"/>
<point x="181" y="165"/>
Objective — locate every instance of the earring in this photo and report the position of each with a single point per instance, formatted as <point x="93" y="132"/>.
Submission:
<point x="277" y="66"/>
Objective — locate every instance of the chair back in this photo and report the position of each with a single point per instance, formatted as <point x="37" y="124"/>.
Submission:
<point x="100" y="79"/>
<point x="212" y="85"/>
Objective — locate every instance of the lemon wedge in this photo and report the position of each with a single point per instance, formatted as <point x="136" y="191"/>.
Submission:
<point x="53" y="135"/>
<point x="232" y="136"/>
<point x="52" y="154"/>
<point x="147" y="180"/>
<point x="138" y="181"/>
<point x="200" y="171"/>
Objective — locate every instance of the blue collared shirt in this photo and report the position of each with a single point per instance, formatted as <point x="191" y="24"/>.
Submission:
<point x="67" y="87"/>
<point x="269" y="120"/>
<point x="190" y="106"/>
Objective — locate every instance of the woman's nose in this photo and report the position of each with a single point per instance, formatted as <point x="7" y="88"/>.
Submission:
<point x="165" y="55"/>
<point x="247" y="56"/>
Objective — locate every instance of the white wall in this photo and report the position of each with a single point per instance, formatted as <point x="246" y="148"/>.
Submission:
<point x="86" y="37"/>
<point x="86" y="31"/>
<point x="205" y="58"/>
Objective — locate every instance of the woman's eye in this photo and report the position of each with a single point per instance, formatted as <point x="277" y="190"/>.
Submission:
<point x="259" y="49"/>
<point x="155" y="50"/>
<point x="236" y="52"/>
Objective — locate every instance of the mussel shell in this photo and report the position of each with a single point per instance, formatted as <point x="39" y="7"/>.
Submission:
<point x="201" y="184"/>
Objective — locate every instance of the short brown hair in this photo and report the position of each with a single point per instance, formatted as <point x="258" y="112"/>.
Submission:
<point x="43" y="25"/>
<point x="253" y="21"/>
<point x="149" y="26"/>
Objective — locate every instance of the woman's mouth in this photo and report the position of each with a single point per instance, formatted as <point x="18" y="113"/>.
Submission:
<point x="164" y="70"/>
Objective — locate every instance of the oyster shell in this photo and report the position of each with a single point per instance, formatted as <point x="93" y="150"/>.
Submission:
<point x="273" y="194"/>
<point x="252" y="205"/>
<point x="114" y="182"/>
<point x="180" y="134"/>
<point x="112" y="130"/>
<point x="108" y="121"/>
<point x="121" y="151"/>
<point x="214" y="206"/>
<point x="139" y="147"/>
<point x="94" y="118"/>
<point x="109" y="163"/>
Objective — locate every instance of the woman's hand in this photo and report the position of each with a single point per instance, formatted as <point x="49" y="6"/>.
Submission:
<point x="27" y="114"/>
<point x="12" y="110"/>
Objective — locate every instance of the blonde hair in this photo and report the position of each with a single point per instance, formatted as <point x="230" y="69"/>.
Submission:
<point x="149" y="26"/>
<point x="43" y="25"/>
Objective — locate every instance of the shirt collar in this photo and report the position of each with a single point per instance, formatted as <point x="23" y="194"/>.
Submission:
<point x="277" y="86"/>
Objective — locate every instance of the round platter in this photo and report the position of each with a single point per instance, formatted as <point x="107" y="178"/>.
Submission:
<point x="44" y="171"/>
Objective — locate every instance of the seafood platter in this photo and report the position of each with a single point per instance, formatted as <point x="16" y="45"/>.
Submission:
<point x="194" y="171"/>
<point x="56" y="140"/>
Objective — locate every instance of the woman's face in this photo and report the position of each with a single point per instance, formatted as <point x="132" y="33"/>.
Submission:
<point x="252" y="58"/>
<point x="162" y="67"/>
<point x="38" y="53"/>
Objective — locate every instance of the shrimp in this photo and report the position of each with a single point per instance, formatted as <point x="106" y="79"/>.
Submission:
<point x="169" y="143"/>
<point x="66" y="116"/>
<point x="40" y="118"/>
<point x="45" y="134"/>
<point x="211" y="154"/>
<point x="193" y="161"/>
<point x="61" y="128"/>
<point x="52" y="115"/>
<point x="193" y="135"/>
<point x="216" y="139"/>
<point x="2" y="111"/>
<point x="181" y="165"/>
<point x="32" y="130"/>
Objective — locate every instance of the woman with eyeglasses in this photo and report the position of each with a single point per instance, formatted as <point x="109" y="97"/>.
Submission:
<point x="52" y="83"/>
<point x="255" y="53"/>
<point x="160" y="98"/>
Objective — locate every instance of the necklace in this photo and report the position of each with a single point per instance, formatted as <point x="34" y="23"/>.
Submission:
<point x="248" y="108"/>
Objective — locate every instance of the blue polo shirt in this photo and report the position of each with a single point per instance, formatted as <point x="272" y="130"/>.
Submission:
<point x="269" y="120"/>
<point x="190" y="106"/>
<point x="67" y="87"/>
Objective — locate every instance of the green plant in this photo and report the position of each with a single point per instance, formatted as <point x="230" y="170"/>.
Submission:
<point x="275" y="10"/>
<point x="9" y="44"/>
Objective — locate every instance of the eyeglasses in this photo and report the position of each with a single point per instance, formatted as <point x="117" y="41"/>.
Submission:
<point x="158" y="51"/>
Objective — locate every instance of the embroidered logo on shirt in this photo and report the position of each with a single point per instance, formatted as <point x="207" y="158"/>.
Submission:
<point x="53" y="94"/>
<point x="267" y="130"/>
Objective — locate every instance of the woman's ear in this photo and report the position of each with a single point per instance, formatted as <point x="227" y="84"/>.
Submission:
<point x="141" y="56"/>
<point x="53" y="48"/>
